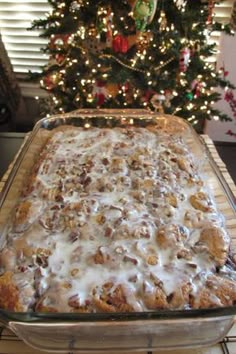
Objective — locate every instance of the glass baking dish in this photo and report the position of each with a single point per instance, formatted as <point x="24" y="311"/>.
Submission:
<point x="105" y="332"/>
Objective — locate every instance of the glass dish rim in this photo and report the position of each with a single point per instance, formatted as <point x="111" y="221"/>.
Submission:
<point x="165" y="314"/>
<point x="158" y="315"/>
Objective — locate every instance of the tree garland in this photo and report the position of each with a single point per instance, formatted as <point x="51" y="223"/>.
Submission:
<point x="110" y="56"/>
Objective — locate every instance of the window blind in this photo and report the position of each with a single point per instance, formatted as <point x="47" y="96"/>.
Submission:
<point x="23" y="46"/>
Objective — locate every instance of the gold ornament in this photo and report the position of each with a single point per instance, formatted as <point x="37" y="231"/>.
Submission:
<point x="112" y="89"/>
<point x="143" y="40"/>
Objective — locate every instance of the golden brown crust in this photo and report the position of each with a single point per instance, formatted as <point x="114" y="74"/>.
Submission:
<point x="9" y="299"/>
<point x="154" y="297"/>
<point x="201" y="201"/>
<point x="217" y="241"/>
<point x="218" y="291"/>
<point x="111" y="298"/>
<point x="22" y="212"/>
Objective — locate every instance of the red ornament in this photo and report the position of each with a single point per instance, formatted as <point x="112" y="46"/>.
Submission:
<point x="100" y="92"/>
<point x="59" y="40"/>
<point x="225" y="72"/>
<point x="148" y="95"/>
<point x="120" y="44"/>
<point x="48" y="82"/>
<point x="196" y="87"/>
<point x="124" y="87"/>
<point x="60" y="58"/>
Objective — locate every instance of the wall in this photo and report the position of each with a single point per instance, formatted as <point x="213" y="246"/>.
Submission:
<point x="227" y="59"/>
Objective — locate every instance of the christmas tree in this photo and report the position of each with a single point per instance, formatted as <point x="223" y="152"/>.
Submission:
<point x="133" y="54"/>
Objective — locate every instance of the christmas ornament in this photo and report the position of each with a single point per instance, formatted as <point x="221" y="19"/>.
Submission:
<point x="168" y="97"/>
<point x="157" y="101"/>
<point x="148" y="95"/>
<point x="120" y="44"/>
<point x="59" y="41"/>
<point x="60" y="59"/>
<point x="142" y="40"/>
<point x="162" y="21"/>
<point x="51" y="80"/>
<point x="100" y="92"/>
<point x="225" y="72"/>
<point x="189" y="96"/>
<point x="93" y="42"/>
<point x="94" y="46"/>
<point x="196" y="87"/>
<point x="112" y="89"/>
<point x="143" y="13"/>
<point x="184" y="59"/>
<point x="124" y="87"/>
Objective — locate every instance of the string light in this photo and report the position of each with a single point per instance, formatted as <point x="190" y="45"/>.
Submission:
<point x="190" y="106"/>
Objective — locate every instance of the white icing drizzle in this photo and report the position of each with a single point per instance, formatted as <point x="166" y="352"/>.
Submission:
<point x="112" y="194"/>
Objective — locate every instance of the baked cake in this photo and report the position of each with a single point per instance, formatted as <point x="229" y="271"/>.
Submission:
<point x="115" y="220"/>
